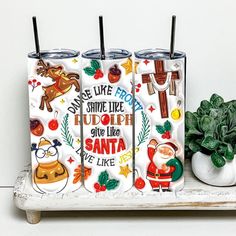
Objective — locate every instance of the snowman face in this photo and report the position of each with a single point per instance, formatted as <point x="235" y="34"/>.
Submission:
<point x="46" y="154"/>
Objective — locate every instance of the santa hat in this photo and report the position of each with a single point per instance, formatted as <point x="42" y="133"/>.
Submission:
<point x="172" y="145"/>
<point x="43" y="142"/>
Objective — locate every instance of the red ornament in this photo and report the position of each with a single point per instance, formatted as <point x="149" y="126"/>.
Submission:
<point x="53" y="124"/>
<point x="105" y="119"/>
<point x="139" y="183"/>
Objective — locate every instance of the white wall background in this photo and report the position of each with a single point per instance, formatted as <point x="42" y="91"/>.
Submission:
<point x="206" y="31"/>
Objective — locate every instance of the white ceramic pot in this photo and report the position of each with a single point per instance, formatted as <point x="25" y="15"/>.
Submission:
<point x="204" y="170"/>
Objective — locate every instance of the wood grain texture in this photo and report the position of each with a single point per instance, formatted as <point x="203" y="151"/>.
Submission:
<point x="195" y="196"/>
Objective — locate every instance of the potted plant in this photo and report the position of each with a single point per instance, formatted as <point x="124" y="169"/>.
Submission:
<point x="210" y="139"/>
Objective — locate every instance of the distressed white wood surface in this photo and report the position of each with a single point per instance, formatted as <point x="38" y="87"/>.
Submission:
<point x="195" y="196"/>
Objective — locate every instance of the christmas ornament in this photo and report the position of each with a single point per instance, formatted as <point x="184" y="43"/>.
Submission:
<point x="36" y="127"/>
<point x="53" y="124"/>
<point x="127" y="66"/>
<point x="124" y="170"/>
<point x="164" y="130"/>
<point x="139" y="183"/>
<point x="114" y="74"/>
<point x="94" y="70"/>
<point x="176" y="112"/>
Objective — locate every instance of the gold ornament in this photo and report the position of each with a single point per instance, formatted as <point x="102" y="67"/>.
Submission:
<point x="176" y="114"/>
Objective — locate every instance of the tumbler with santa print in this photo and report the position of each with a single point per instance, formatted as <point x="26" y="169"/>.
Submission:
<point x="159" y="132"/>
<point x="53" y="81"/>
<point x="107" y="119"/>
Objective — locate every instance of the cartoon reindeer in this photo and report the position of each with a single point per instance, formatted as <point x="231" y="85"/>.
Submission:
<point x="63" y="83"/>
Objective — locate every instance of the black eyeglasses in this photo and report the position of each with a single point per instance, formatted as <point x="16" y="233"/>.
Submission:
<point x="40" y="153"/>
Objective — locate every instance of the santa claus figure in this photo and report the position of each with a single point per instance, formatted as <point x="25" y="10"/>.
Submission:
<point x="164" y="166"/>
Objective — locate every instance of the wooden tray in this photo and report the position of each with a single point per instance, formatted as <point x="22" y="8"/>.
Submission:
<point x="195" y="196"/>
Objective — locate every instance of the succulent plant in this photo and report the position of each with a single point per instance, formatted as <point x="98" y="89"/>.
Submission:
<point x="212" y="130"/>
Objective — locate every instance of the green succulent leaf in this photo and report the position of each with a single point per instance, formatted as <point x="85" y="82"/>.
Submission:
<point x="194" y="146"/>
<point x="216" y="100"/>
<point x="229" y="153"/>
<point x="205" y="105"/>
<point x="207" y="123"/>
<point x="210" y="143"/>
<point x="217" y="160"/>
<point x="190" y="120"/>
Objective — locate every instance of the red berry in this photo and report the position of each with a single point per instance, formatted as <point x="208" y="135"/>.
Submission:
<point x="139" y="183"/>
<point x="97" y="190"/>
<point x="139" y="85"/>
<point x="97" y="186"/>
<point x="168" y="134"/>
<point x="34" y="80"/>
<point x="53" y="124"/>
<point x="163" y="136"/>
<point x="101" y="75"/>
<point x="137" y="90"/>
<point x="29" y="82"/>
<point x="38" y="83"/>
<point x="103" y="188"/>
<point x="96" y="76"/>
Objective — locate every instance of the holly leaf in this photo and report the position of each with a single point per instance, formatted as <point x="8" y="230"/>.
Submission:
<point x="217" y="160"/>
<point x="112" y="184"/>
<point x="95" y="64"/>
<point x="160" y="129"/>
<point x="167" y="125"/>
<point x="210" y="143"/>
<point x="89" y="71"/>
<point x="103" y="178"/>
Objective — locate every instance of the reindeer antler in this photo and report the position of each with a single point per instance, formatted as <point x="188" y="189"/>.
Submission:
<point x="43" y="68"/>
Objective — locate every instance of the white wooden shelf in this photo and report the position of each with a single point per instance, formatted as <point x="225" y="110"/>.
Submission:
<point x="195" y="196"/>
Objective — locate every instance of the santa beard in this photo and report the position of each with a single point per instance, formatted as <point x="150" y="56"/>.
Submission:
<point x="160" y="159"/>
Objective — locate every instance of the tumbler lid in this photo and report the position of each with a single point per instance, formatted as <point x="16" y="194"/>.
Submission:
<point x="110" y="54"/>
<point x="55" y="54"/>
<point x="157" y="53"/>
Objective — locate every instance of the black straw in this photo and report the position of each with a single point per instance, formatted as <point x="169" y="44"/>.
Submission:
<point x="172" y="42"/>
<point x="102" y="47"/>
<point x="36" y="37"/>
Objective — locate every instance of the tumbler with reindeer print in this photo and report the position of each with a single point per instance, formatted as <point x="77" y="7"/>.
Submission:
<point x="53" y="82"/>
<point x="159" y="125"/>
<point x="107" y="120"/>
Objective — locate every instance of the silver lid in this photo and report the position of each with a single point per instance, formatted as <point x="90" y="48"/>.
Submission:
<point x="157" y="53"/>
<point x="110" y="54"/>
<point x="55" y="54"/>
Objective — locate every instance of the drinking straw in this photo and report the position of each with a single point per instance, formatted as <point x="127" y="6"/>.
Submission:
<point x="102" y="47"/>
<point x="172" y="41"/>
<point x="36" y="37"/>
